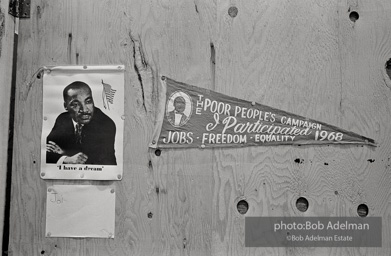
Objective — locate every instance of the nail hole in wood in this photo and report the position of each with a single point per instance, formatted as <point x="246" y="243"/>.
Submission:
<point x="242" y="206"/>
<point x="302" y="204"/>
<point x="362" y="210"/>
<point x="353" y="16"/>
<point x="233" y="11"/>
<point x="388" y="68"/>
<point x="158" y="152"/>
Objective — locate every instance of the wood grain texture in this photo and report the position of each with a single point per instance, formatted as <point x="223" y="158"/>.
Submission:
<point x="6" y="51"/>
<point x="306" y="58"/>
<point x="312" y="60"/>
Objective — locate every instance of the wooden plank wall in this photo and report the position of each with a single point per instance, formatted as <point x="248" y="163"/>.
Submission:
<point x="306" y="57"/>
<point x="6" y="52"/>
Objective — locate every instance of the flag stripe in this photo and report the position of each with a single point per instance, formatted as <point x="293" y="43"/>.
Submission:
<point x="109" y="92"/>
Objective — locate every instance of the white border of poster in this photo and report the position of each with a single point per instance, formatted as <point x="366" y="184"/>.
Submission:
<point x="107" y="90"/>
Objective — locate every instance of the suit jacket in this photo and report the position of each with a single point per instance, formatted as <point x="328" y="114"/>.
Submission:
<point x="98" y="138"/>
<point x="171" y="118"/>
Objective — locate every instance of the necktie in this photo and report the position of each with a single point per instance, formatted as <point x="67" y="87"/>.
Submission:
<point x="78" y="133"/>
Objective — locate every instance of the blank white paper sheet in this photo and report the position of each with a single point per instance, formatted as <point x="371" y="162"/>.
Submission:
<point x="80" y="211"/>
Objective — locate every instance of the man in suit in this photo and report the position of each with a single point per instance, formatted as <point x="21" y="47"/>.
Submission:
<point x="83" y="134"/>
<point x="177" y="117"/>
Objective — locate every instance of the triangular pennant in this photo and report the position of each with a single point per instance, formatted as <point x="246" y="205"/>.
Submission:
<point x="190" y="116"/>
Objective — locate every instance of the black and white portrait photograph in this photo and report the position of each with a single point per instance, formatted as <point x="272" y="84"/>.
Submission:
<point x="82" y="134"/>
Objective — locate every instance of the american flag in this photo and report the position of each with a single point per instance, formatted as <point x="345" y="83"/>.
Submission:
<point x="107" y="94"/>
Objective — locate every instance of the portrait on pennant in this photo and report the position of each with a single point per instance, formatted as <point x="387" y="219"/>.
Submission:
<point x="179" y="108"/>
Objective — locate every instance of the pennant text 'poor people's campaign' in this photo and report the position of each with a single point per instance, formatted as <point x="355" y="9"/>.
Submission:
<point x="190" y="116"/>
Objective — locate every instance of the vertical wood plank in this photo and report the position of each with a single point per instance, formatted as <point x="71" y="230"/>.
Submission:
<point x="366" y="91"/>
<point x="309" y="59"/>
<point x="6" y="52"/>
<point x="162" y="203"/>
<point x="181" y="184"/>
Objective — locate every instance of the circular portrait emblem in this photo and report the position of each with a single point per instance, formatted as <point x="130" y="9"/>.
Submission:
<point x="179" y="108"/>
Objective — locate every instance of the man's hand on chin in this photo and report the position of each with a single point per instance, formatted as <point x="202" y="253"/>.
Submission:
<point x="79" y="158"/>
